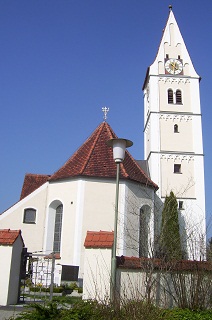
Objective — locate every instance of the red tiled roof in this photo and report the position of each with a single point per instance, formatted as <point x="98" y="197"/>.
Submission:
<point x="95" y="159"/>
<point x="32" y="182"/>
<point x="159" y="264"/>
<point x="8" y="237"/>
<point x="99" y="239"/>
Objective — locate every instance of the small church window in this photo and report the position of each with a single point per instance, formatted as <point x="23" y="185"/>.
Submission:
<point x="176" y="128"/>
<point x="29" y="215"/>
<point x="170" y="96"/>
<point x="178" y="97"/>
<point x="180" y="206"/>
<point x="177" y="168"/>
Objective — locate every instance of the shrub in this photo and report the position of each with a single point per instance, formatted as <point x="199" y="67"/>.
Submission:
<point x="58" y="290"/>
<point x="66" y="300"/>
<point x="80" y="290"/>
<point x="41" y="289"/>
<point x="40" y="312"/>
<point x="93" y="310"/>
<point x="186" y="314"/>
<point x="140" y="310"/>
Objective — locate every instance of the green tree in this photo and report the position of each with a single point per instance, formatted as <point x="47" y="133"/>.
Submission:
<point x="209" y="250"/>
<point x="170" y="243"/>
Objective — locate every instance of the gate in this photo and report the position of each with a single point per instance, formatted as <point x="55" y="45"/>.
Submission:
<point x="37" y="277"/>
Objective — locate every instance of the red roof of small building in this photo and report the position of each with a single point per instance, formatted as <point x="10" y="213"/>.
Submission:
<point x="32" y="182"/>
<point x="95" y="159"/>
<point x="99" y="239"/>
<point x="8" y="237"/>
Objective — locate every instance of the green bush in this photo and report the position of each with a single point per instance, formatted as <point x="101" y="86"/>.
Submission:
<point x="40" y="312"/>
<point x="35" y="289"/>
<point x="92" y="310"/>
<point x="139" y="310"/>
<point x="41" y="289"/>
<point x="58" y="289"/>
<point x="186" y="314"/>
<point x="67" y="300"/>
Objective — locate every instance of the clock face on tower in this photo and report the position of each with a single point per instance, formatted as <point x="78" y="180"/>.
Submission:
<point x="173" y="66"/>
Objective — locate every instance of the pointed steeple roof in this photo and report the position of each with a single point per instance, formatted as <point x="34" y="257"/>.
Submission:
<point x="173" y="46"/>
<point x="95" y="159"/>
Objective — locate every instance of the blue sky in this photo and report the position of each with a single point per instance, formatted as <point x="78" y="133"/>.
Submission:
<point x="63" y="60"/>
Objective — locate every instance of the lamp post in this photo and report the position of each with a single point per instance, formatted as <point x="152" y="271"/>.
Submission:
<point x="119" y="146"/>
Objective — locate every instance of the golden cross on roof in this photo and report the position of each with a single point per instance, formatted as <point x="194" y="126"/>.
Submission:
<point x="105" y="110"/>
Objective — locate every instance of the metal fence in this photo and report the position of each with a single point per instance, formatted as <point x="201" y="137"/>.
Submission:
<point x="37" y="277"/>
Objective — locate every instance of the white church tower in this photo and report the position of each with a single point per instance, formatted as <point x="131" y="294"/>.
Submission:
<point x="173" y="134"/>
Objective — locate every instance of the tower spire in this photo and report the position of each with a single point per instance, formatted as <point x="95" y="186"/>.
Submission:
<point x="170" y="7"/>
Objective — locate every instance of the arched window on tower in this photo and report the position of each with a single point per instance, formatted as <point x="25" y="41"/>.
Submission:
<point x="58" y="228"/>
<point x="176" y="128"/>
<point x="178" y="97"/>
<point x="170" y="96"/>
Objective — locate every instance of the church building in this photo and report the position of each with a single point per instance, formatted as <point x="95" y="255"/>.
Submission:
<point x="55" y="211"/>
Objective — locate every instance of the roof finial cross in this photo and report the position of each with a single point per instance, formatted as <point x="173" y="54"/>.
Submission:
<point x="105" y="110"/>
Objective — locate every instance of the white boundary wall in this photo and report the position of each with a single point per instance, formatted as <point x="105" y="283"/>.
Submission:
<point x="10" y="272"/>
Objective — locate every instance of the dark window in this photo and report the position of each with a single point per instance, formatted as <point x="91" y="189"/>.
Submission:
<point x="180" y="205"/>
<point x="176" y="128"/>
<point x="178" y="97"/>
<point x="177" y="168"/>
<point x="144" y="231"/>
<point x="178" y="57"/>
<point x="167" y="56"/>
<point x="29" y="215"/>
<point x="170" y="96"/>
<point x="58" y="228"/>
<point x="69" y="273"/>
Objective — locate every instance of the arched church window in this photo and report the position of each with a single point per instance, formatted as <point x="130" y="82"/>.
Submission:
<point x="144" y="231"/>
<point x="170" y="96"/>
<point x="178" y="97"/>
<point x="176" y="128"/>
<point x="58" y="228"/>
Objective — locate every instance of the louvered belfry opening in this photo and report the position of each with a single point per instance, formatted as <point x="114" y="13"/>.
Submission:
<point x="170" y="96"/>
<point x="178" y="97"/>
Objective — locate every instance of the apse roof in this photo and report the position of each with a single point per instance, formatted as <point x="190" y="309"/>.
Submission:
<point x="93" y="159"/>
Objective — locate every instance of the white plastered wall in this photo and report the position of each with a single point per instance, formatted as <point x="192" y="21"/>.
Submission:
<point x="33" y="234"/>
<point x="88" y="204"/>
<point x="10" y="272"/>
<point x="137" y="197"/>
<point x="6" y="252"/>
<point x="97" y="268"/>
